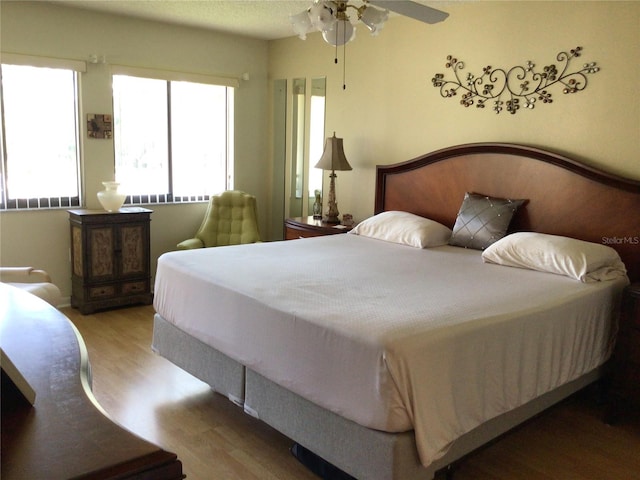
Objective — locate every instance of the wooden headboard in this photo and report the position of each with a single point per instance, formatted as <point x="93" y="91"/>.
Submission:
<point x="564" y="196"/>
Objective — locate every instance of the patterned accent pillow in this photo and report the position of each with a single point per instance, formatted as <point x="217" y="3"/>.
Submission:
<point x="482" y="220"/>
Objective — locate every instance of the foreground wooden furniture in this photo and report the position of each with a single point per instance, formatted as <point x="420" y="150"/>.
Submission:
<point x="305" y="227"/>
<point x="65" y="434"/>
<point x="110" y="259"/>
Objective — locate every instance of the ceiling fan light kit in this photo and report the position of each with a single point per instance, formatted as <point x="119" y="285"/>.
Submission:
<point x="331" y="18"/>
<point x="327" y="15"/>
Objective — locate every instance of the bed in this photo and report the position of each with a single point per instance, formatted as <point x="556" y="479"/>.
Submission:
<point x="391" y="361"/>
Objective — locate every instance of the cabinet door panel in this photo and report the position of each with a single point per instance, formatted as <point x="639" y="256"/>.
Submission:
<point x="132" y="242"/>
<point x="77" y="251"/>
<point x="101" y="262"/>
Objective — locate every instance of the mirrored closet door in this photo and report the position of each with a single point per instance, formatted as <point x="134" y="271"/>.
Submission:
<point x="307" y="142"/>
<point x="299" y="136"/>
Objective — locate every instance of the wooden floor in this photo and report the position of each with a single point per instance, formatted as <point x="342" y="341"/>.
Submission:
<point x="216" y="440"/>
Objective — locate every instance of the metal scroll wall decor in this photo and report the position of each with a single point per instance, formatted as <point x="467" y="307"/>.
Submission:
<point x="520" y="86"/>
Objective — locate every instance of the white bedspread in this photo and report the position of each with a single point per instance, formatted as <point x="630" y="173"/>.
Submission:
<point x="392" y="337"/>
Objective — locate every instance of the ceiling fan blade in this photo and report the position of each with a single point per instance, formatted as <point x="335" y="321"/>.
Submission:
<point x="412" y="10"/>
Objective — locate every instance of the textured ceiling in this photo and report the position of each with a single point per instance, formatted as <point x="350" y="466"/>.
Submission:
<point x="263" y="19"/>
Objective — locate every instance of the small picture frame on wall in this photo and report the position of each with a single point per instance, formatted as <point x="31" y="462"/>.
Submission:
<point x="99" y="125"/>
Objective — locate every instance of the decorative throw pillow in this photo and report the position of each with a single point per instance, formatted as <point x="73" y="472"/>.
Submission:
<point x="482" y="220"/>
<point x="404" y="228"/>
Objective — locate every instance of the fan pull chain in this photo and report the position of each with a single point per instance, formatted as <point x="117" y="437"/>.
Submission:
<point x="344" y="56"/>
<point x="344" y="66"/>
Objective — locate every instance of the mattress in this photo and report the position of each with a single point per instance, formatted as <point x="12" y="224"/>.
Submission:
<point x="391" y="337"/>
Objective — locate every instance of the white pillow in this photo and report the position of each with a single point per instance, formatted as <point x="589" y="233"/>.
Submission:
<point x="584" y="261"/>
<point x="404" y="228"/>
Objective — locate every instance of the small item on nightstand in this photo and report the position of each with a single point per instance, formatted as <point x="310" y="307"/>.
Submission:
<point x="347" y="219"/>
<point x="317" y="205"/>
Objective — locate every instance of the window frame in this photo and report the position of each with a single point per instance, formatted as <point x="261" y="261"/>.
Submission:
<point x="40" y="202"/>
<point x="230" y="83"/>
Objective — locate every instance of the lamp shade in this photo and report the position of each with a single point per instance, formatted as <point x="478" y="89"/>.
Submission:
<point x="341" y="33"/>
<point x="301" y="24"/>
<point x="333" y="157"/>
<point x="374" y="18"/>
<point x="321" y="16"/>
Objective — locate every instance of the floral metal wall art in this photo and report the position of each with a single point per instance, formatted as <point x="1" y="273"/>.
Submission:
<point x="520" y="86"/>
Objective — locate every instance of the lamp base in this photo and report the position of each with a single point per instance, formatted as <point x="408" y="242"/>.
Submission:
<point x="332" y="212"/>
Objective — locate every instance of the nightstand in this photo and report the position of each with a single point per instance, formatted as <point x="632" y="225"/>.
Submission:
<point x="625" y="377"/>
<point x="305" y="227"/>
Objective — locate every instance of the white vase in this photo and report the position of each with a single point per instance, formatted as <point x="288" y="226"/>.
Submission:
<point x="110" y="199"/>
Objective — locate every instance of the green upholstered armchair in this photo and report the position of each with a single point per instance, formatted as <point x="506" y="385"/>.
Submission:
<point x="231" y="219"/>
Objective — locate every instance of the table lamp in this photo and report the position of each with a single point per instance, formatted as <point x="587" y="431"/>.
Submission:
<point x="333" y="159"/>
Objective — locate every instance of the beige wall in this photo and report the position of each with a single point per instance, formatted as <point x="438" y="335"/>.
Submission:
<point x="390" y="112"/>
<point x="41" y="238"/>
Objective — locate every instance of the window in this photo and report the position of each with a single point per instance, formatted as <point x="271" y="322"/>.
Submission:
<point x="173" y="139"/>
<point x="40" y="154"/>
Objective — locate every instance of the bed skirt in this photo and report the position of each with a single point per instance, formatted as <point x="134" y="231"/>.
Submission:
<point x="223" y="374"/>
<point x="364" y="453"/>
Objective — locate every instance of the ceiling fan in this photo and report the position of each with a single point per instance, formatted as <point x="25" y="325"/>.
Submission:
<point x="331" y="17"/>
